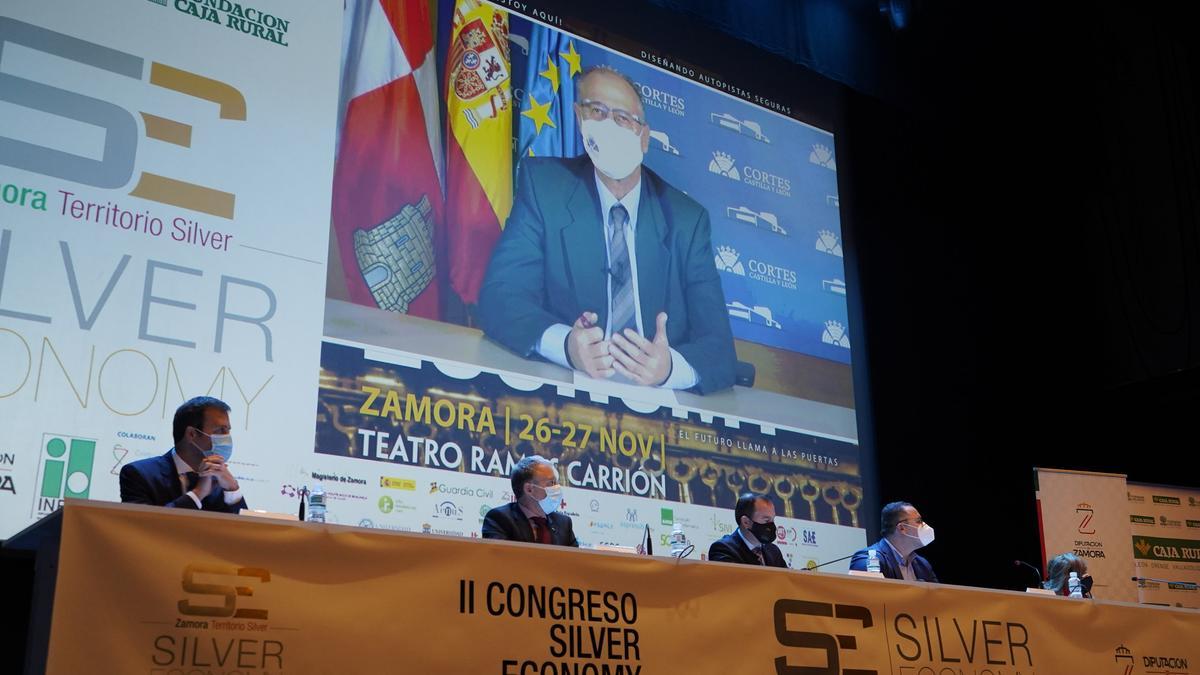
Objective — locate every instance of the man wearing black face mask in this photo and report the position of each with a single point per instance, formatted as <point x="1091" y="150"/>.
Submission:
<point x="752" y="543"/>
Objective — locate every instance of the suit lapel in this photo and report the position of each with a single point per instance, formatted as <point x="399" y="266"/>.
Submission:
<point x="654" y="260"/>
<point x="744" y="551"/>
<point x="584" y="245"/>
<point x="170" y="477"/>
<point x="889" y="556"/>
<point x="521" y="523"/>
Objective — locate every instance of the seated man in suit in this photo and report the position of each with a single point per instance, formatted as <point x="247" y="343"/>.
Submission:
<point x="534" y="517"/>
<point x="194" y="474"/>
<point x="904" y="531"/>
<point x="752" y="543"/>
<point x="605" y="268"/>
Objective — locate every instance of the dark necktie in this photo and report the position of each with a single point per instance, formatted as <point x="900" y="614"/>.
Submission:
<point x="541" y="530"/>
<point x="621" y="280"/>
<point x="758" y="552"/>
<point x="190" y="478"/>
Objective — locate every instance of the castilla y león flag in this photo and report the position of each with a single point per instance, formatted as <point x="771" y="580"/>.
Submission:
<point x="387" y="191"/>
<point x="479" y="145"/>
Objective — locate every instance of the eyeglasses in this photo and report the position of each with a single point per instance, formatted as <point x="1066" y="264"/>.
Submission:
<point x="918" y="521"/>
<point x="599" y="111"/>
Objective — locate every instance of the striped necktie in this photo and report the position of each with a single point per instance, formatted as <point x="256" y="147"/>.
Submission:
<point x="620" y="280"/>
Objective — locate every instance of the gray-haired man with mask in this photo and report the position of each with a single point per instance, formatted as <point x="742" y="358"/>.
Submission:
<point x="534" y="517"/>
<point x="605" y="268"/>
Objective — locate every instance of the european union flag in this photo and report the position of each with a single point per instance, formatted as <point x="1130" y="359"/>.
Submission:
<point x="547" y="124"/>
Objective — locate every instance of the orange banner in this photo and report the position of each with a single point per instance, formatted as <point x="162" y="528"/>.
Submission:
<point x="148" y="590"/>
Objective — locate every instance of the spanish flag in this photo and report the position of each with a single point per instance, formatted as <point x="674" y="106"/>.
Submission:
<point x="479" y="143"/>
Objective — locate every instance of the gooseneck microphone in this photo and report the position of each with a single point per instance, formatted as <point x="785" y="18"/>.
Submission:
<point x="827" y="562"/>
<point x="1019" y="563"/>
<point x="1188" y="585"/>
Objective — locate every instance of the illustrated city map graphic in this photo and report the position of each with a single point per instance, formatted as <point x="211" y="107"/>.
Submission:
<point x="396" y="256"/>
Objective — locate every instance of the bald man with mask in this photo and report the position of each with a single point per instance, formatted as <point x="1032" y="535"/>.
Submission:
<point x="603" y="267"/>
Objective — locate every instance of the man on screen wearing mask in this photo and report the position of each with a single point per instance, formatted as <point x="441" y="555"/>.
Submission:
<point x="605" y="268"/>
<point x="904" y="531"/>
<point x="195" y="473"/>
<point x="534" y="517"/>
<point x="753" y="542"/>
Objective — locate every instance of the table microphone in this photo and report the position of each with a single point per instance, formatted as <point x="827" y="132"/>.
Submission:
<point x="828" y="562"/>
<point x="1189" y="585"/>
<point x="1019" y="563"/>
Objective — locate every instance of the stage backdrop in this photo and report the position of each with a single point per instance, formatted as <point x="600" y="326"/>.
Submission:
<point x="1085" y="514"/>
<point x="165" y="170"/>
<point x="176" y="173"/>
<point x="1166" y="543"/>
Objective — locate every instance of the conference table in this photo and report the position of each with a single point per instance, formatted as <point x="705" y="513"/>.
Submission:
<point x="136" y="589"/>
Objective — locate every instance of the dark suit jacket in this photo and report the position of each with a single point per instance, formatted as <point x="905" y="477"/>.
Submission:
<point x="509" y="522"/>
<point x="154" y="481"/>
<point x="889" y="563"/>
<point x="731" y="548"/>
<point x="549" y="266"/>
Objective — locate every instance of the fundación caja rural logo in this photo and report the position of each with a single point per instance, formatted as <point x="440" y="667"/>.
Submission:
<point x="234" y="16"/>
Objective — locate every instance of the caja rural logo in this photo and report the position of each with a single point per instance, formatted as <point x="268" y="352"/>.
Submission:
<point x="115" y="167"/>
<point x="234" y="16"/>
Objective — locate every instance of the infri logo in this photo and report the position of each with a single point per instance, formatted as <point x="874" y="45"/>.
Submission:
<point x="65" y="471"/>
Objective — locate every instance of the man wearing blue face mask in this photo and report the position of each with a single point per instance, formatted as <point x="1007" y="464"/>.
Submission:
<point x="195" y="473"/>
<point x="904" y="532"/>
<point x="534" y="517"/>
<point x="603" y="267"/>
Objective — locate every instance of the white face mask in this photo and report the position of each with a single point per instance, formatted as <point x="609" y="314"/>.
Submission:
<point x="924" y="535"/>
<point x="550" y="503"/>
<point x="615" y="152"/>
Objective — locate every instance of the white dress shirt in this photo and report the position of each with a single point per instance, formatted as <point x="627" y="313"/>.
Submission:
<point x="906" y="569"/>
<point x="182" y="468"/>
<point x="553" y="343"/>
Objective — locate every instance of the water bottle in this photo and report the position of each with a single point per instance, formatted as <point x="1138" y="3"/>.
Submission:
<point x="316" y="504"/>
<point x="678" y="541"/>
<point x="873" y="561"/>
<point x="1074" y="586"/>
